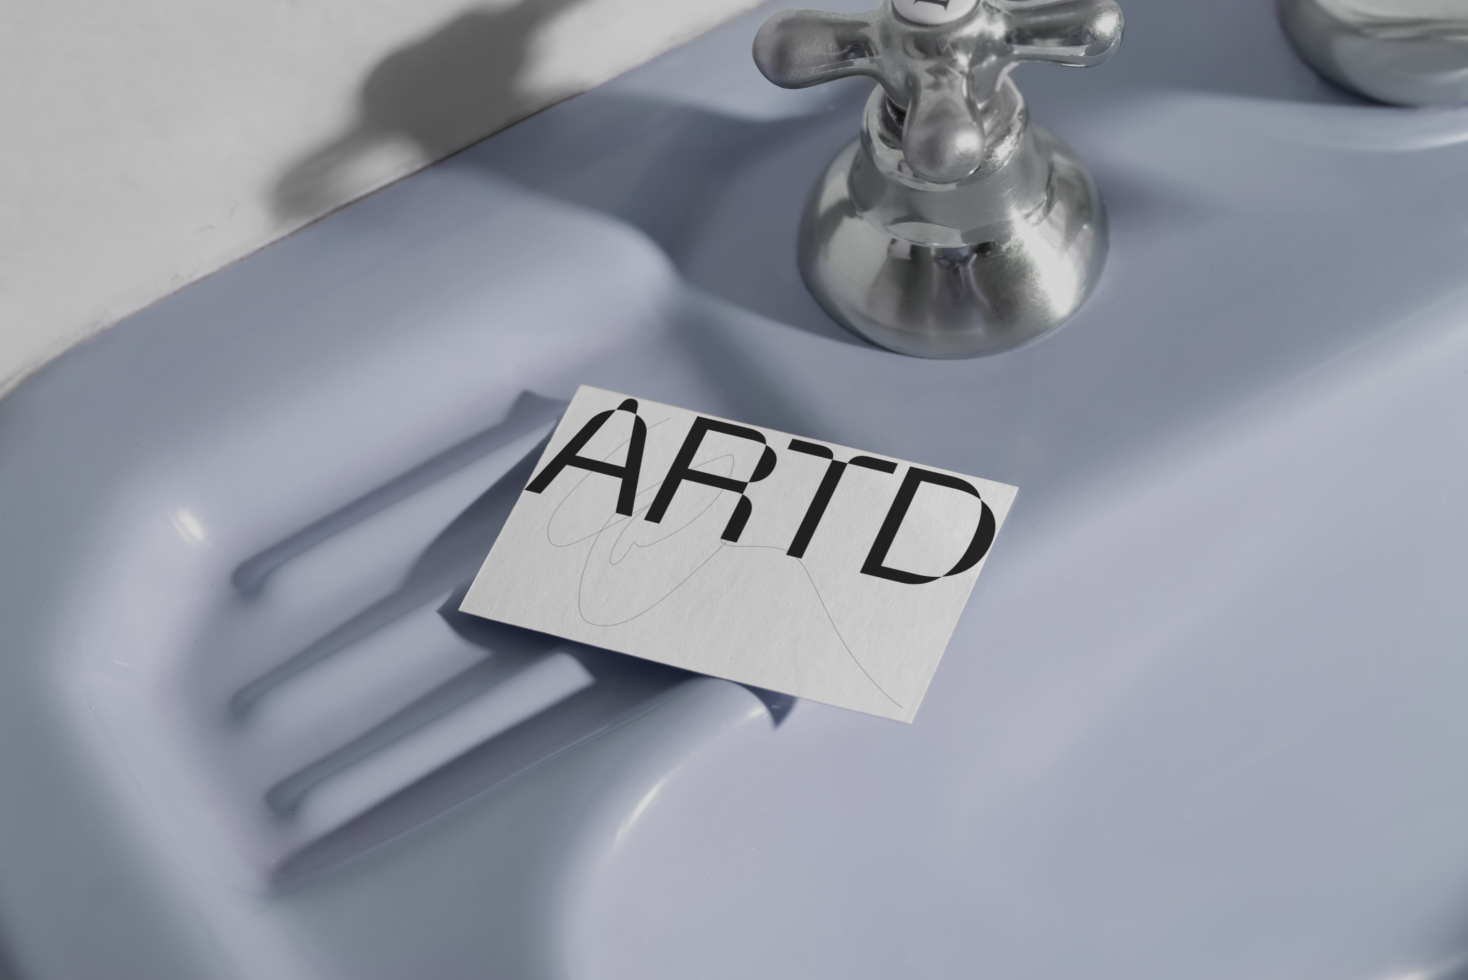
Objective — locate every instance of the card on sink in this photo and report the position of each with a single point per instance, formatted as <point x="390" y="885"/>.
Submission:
<point x="786" y="563"/>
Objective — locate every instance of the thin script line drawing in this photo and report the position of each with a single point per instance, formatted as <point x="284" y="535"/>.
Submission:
<point x="577" y="485"/>
<point x="627" y="522"/>
<point x="831" y="619"/>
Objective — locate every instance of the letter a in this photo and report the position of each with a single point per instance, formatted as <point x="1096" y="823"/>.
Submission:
<point x="627" y="473"/>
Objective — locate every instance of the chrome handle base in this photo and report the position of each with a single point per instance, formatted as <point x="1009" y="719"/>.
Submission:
<point x="950" y="227"/>
<point x="973" y="268"/>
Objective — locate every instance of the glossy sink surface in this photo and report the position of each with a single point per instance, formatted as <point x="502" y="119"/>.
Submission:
<point x="1203" y="716"/>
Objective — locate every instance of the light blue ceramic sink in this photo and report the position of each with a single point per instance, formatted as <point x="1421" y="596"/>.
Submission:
<point x="1203" y="718"/>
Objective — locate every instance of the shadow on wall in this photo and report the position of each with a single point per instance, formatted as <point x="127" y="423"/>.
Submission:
<point x="440" y="94"/>
<point x="466" y="79"/>
<point x="721" y="193"/>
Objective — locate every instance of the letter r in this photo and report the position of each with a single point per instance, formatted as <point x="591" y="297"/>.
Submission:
<point x="682" y="469"/>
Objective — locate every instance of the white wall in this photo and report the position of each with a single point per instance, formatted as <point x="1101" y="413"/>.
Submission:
<point x="146" y="143"/>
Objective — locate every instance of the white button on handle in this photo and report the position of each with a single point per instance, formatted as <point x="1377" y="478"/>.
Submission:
<point x="940" y="62"/>
<point x="934" y="11"/>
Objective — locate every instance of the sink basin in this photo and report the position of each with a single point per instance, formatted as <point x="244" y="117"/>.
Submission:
<point x="1201" y="716"/>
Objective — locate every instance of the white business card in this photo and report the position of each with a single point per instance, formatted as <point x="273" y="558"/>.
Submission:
<point x="789" y="564"/>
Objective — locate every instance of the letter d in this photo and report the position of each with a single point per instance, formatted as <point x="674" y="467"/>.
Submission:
<point x="977" y="548"/>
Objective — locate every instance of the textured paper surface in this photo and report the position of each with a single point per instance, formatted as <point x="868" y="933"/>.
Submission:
<point x="742" y="552"/>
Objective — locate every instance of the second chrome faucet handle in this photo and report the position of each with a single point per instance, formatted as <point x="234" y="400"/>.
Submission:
<point x="940" y="61"/>
<point x="1402" y="52"/>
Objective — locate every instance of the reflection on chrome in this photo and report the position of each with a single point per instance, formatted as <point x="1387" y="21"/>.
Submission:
<point x="1403" y="52"/>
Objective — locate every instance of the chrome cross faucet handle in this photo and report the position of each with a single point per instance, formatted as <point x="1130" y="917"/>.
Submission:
<point x="940" y="61"/>
<point x="951" y="227"/>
